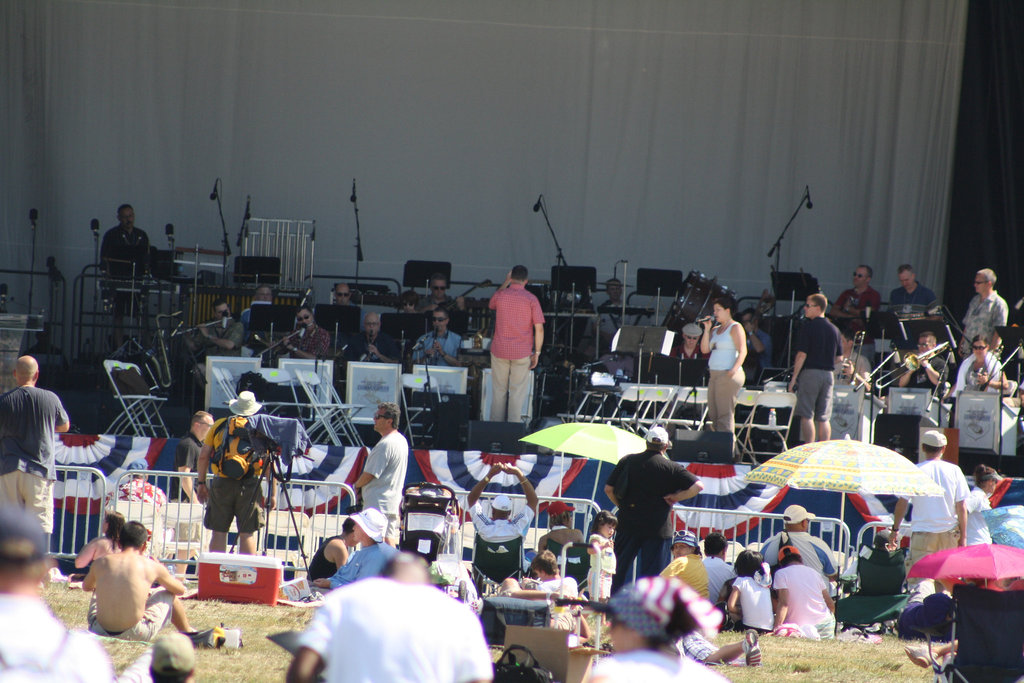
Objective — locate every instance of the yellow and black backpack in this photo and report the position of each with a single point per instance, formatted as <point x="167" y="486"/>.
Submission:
<point x="235" y="457"/>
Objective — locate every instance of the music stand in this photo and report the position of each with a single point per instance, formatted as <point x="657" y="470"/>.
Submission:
<point x="665" y="369"/>
<point x="404" y="326"/>
<point x="640" y="340"/>
<point x="257" y="269"/>
<point x="122" y="257"/>
<point x="271" y="318"/>
<point x="579" y="279"/>
<point x="658" y="282"/>
<point x="417" y="273"/>
<point x="338" y="319"/>
<point x="884" y="325"/>
<point x="1012" y="338"/>
<point x="693" y="372"/>
<point x="793" y="285"/>
<point x="912" y="329"/>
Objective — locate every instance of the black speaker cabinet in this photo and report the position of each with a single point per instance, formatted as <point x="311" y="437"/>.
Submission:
<point x="710" y="447"/>
<point x="450" y="418"/>
<point x="496" y="437"/>
<point x="898" y="433"/>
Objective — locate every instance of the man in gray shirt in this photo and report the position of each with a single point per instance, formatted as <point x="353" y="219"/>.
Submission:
<point x="380" y="485"/>
<point x="29" y="417"/>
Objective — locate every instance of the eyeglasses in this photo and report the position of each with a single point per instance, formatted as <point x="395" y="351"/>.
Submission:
<point x="979" y="348"/>
<point x="689" y="337"/>
<point x="980" y="282"/>
<point x="440" y="320"/>
<point x="304" y="319"/>
<point x="860" y="275"/>
<point x="379" y="417"/>
<point x="439" y="287"/>
<point x="810" y="305"/>
<point x="922" y="344"/>
<point x="343" y="294"/>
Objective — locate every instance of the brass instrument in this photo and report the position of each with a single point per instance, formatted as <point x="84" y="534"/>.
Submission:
<point x="281" y="342"/>
<point x="478" y="338"/>
<point x="849" y="363"/>
<point x="912" y="361"/>
<point x="157" y="357"/>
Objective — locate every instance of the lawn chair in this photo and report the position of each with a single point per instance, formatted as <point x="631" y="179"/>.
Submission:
<point x="878" y="592"/>
<point x="495" y="561"/>
<point x="989" y="633"/>
<point x="576" y="561"/>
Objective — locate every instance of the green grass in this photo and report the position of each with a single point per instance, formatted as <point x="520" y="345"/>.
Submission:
<point x="787" y="659"/>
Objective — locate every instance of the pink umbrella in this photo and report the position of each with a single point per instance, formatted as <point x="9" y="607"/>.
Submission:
<point x="984" y="561"/>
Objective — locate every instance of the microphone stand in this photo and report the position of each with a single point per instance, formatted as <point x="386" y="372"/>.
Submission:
<point x="776" y="249"/>
<point x="224" y="241"/>
<point x="32" y="262"/>
<point x="359" y="236"/>
<point x="559" y="257"/>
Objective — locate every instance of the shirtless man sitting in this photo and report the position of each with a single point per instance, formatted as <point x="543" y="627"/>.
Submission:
<point x="123" y="605"/>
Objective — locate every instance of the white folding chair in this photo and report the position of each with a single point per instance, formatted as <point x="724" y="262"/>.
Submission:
<point x="150" y="516"/>
<point x="784" y="405"/>
<point x="140" y="413"/>
<point x="746" y="399"/>
<point x="647" y="399"/>
<point x="329" y="419"/>
<point x="186" y="535"/>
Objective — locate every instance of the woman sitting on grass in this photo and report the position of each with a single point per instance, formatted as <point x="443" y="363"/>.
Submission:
<point x="805" y="607"/>
<point x="108" y="543"/>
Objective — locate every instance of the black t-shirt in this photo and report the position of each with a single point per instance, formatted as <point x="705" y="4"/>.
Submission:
<point x="919" y="380"/>
<point x="187" y="452"/>
<point x="651" y="476"/>
<point x="819" y="339"/>
<point x="319" y="566"/>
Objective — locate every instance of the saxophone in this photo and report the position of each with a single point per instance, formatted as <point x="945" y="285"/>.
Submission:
<point x="478" y="338"/>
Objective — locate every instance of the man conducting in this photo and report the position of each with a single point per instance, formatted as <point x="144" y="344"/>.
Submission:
<point x="29" y="417"/>
<point x="818" y="351"/>
<point x="515" y="347"/>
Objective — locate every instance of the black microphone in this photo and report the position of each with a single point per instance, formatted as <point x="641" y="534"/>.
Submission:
<point x="213" y="195"/>
<point x="248" y="203"/>
<point x="94" y="225"/>
<point x="33" y="216"/>
<point x="352" y="197"/>
<point x="536" y="206"/>
<point x="169" y="229"/>
<point x="807" y="193"/>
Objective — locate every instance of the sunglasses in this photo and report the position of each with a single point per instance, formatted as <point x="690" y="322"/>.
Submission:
<point x="860" y="275"/>
<point x="379" y="417"/>
<point x="979" y="348"/>
<point x="304" y="319"/>
<point x="689" y="337"/>
<point x="441" y="288"/>
<point x="343" y="294"/>
<point x="440" y="320"/>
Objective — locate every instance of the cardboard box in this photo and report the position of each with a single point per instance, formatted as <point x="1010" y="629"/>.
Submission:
<point x="551" y="648"/>
<point x="239" y="578"/>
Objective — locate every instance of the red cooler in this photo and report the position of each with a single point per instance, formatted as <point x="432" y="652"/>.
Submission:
<point x="239" y="578"/>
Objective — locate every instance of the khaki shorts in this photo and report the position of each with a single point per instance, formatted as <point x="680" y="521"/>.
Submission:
<point x="232" y="499"/>
<point x="156" y="616"/>
<point x="29" y="491"/>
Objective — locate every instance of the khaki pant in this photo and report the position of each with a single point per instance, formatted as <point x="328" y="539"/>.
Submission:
<point x="510" y="385"/>
<point x="31" y="492"/>
<point x="156" y="616"/>
<point x="722" y="389"/>
<point x="925" y="543"/>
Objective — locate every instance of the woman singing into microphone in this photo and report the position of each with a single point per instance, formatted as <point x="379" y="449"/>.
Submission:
<point x="727" y="345"/>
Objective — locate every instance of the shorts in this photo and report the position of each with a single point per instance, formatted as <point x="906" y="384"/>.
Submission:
<point x="697" y="647"/>
<point x="29" y="491"/>
<point x="394" y="529"/>
<point x="814" y="395"/>
<point x="156" y="616"/>
<point x="234" y="499"/>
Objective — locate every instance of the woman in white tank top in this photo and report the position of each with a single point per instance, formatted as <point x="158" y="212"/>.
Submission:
<point x="727" y="345"/>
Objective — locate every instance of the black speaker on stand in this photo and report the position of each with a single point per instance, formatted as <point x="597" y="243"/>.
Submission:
<point x="708" y="447"/>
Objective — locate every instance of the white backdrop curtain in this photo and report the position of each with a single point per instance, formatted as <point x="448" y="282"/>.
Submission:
<point x="671" y="133"/>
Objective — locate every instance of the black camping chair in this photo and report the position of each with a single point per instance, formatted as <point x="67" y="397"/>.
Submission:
<point x="989" y="634"/>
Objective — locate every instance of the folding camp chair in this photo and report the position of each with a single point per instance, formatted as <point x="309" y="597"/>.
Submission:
<point x="140" y="412"/>
<point x="879" y="594"/>
<point x="495" y="561"/>
<point x="577" y="561"/>
<point x="989" y="634"/>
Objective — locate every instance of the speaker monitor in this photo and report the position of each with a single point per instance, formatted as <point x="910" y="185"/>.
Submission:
<point x="708" y="447"/>
<point x="452" y="414"/>
<point x="495" y="437"/>
<point x="898" y="433"/>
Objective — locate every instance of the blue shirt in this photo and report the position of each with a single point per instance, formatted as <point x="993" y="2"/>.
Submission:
<point x="922" y="296"/>
<point x="364" y="564"/>
<point x="450" y="344"/>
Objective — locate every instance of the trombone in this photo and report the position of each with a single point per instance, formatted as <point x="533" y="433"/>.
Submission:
<point x="911" y="363"/>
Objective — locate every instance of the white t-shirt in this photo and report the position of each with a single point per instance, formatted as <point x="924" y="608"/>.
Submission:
<point x="719" y="571"/>
<point x="387" y="462"/>
<point x="381" y="630"/>
<point x="755" y="603"/>
<point x="935" y="514"/>
<point x="807" y="605"/>
<point x="647" y="666"/>
<point x="977" y="527"/>
<point x="554" y="585"/>
<point x="33" y="640"/>
<point x="494" y="530"/>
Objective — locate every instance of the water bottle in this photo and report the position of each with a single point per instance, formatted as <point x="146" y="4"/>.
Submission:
<point x="773" y="419"/>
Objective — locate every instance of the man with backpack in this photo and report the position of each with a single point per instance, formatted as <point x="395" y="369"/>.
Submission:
<point x="229" y="473"/>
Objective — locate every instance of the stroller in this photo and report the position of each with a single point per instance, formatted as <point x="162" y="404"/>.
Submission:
<point x="430" y="518"/>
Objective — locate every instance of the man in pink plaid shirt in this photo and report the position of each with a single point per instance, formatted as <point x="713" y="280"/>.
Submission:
<point x="515" y="347"/>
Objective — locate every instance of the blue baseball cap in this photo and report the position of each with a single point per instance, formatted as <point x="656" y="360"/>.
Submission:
<point x="686" y="538"/>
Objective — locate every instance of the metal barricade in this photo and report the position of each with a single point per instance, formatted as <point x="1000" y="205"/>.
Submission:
<point x="752" y="529"/>
<point x="78" y="495"/>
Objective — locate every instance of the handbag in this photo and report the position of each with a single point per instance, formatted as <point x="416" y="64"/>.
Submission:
<point x="518" y="665"/>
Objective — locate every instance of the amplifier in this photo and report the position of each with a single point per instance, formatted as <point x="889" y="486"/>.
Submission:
<point x="709" y="447"/>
